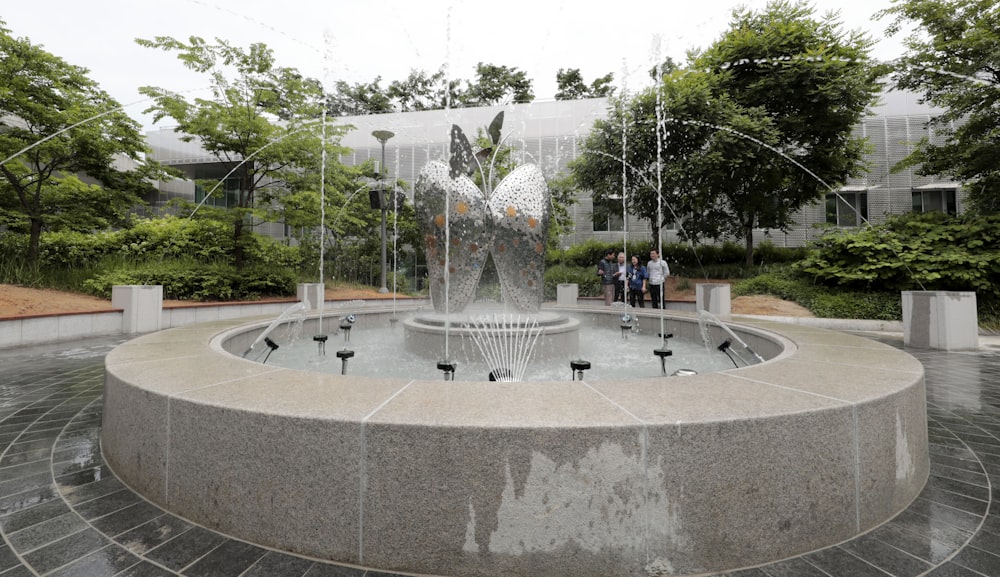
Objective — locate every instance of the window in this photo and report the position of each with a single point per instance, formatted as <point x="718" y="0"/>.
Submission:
<point x="942" y="199"/>
<point x="607" y="215"/>
<point x="609" y="222"/>
<point x="847" y="208"/>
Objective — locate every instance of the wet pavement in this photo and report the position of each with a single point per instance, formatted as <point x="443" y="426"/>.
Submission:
<point x="62" y="512"/>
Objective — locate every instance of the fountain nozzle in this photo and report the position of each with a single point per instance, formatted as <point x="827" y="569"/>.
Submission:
<point x="321" y="343"/>
<point x="663" y="354"/>
<point x="578" y="366"/>
<point x="345" y="326"/>
<point x="343" y="355"/>
<point x="271" y="346"/>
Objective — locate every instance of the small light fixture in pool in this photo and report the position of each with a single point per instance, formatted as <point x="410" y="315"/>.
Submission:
<point x="578" y="366"/>
<point x="448" y="368"/>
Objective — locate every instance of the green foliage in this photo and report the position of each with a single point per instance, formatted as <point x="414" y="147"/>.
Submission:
<point x="779" y="91"/>
<point x="187" y="256"/>
<point x="821" y="301"/>
<point x="570" y="85"/>
<point x="587" y="254"/>
<point x="190" y="280"/>
<point x="69" y="126"/>
<point x="151" y="240"/>
<point x="265" y="117"/>
<point x="952" y="60"/>
<point x="701" y="261"/>
<point x="498" y="85"/>
<point x="916" y="251"/>
<point x="589" y="284"/>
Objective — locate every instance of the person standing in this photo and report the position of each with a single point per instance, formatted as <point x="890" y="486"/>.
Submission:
<point x="606" y="269"/>
<point x="657" y="271"/>
<point x="636" y="283"/>
<point x="620" y="273"/>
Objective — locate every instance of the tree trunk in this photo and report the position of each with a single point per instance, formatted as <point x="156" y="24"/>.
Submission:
<point x="238" y="244"/>
<point x="749" y="245"/>
<point x="34" y="240"/>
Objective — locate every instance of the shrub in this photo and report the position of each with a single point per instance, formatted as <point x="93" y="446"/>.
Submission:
<point x="589" y="284"/>
<point x="187" y="280"/>
<point x="823" y="301"/>
<point x="916" y="251"/>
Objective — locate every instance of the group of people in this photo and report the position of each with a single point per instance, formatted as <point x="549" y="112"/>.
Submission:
<point x="616" y="274"/>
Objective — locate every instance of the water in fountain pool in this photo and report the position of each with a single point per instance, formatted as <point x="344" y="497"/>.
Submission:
<point x="380" y="351"/>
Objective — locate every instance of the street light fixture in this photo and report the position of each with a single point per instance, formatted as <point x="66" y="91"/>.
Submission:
<point x="382" y="136"/>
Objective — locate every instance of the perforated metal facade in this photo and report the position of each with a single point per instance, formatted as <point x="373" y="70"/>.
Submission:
<point x="549" y="134"/>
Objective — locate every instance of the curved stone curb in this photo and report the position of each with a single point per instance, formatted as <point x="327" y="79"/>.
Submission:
<point x="673" y="476"/>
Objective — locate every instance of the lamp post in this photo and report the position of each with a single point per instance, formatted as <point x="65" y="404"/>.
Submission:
<point x="382" y="136"/>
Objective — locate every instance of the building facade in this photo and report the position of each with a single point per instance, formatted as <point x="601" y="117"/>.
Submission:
<point x="550" y="134"/>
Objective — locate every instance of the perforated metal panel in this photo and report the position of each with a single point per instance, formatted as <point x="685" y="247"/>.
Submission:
<point x="548" y="134"/>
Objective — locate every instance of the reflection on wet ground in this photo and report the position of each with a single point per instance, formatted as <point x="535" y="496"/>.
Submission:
<point x="63" y="514"/>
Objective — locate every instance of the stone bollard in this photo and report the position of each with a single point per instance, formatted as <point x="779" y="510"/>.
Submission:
<point x="567" y="293"/>
<point x="713" y="297"/>
<point x="142" y="307"/>
<point x="944" y="320"/>
<point x="314" y="292"/>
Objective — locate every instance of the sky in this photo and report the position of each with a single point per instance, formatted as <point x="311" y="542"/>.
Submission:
<point x="357" y="41"/>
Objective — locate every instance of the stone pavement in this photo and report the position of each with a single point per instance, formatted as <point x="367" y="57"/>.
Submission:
<point x="62" y="513"/>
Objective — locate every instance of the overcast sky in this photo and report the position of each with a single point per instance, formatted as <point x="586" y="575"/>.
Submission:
<point x="357" y="41"/>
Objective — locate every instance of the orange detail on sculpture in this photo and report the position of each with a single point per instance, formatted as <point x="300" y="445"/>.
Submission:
<point x="532" y="222"/>
<point x="461" y="208"/>
<point x="511" y="211"/>
<point x="439" y="220"/>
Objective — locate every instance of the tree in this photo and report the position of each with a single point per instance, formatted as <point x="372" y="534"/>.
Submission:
<point x="952" y="59"/>
<point x="756" y="128"/>
<point x="814" y="82"/>
<point x="44" y="97"/>
<point x="423" y="91"/>
<point x="655" y="188"/>
<point x="264" y="122"/>
<point x="359" y="99"/>
<point x="571" y="86"/>
<point x="498" y="85"/>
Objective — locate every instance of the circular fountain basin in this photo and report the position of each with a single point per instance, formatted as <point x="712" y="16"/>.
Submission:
<point x="426" y="332"/>
<point x="657" y="476"/>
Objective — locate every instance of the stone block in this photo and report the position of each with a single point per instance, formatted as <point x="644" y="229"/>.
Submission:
<point x="142" y="307"/>
<point x="944" y="320"/>
<point x="713" y="297"/>
<point x="566" y="294"/>
<point x="313" y="292"/>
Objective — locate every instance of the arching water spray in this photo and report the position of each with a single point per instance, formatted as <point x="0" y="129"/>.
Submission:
<point x="85" y="121"/>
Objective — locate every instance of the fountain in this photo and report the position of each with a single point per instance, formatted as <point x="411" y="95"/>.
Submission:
<point x="507" y="476"/>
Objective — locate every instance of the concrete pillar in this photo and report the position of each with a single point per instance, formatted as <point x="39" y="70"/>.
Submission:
<point x="567" y="293"/>
<point x="944" y="320"/>
<point x="713" y="297"/>
<point x="314" y="292"/>
<point x="142" y="307"/>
